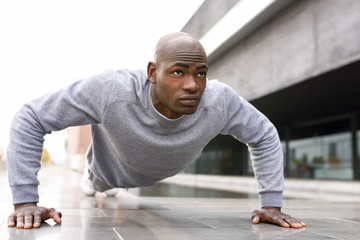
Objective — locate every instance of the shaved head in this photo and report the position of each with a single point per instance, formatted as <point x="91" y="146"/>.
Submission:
<point x="174" y="45"/>
<point x="177" y="75"/>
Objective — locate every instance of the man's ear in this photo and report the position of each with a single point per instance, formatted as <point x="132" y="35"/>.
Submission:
<point x="151" y="71"/>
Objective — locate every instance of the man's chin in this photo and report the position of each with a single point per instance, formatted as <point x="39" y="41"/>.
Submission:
<point x="189" y="111"/>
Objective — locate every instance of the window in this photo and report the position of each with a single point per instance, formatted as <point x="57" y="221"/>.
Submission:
<point x="322" y="157"/>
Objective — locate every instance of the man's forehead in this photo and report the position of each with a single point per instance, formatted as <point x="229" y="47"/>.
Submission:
<point x="187" y="64"/>
<point x="186" y="56"/>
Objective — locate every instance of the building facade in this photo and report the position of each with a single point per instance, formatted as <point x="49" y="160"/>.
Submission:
<point x="298" y="63"/>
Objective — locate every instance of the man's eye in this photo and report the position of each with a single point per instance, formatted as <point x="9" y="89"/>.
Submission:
<point x="177" y="72"/>
<point x="202" y="74"/>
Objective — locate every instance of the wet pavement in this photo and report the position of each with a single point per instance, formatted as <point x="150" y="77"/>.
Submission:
<point x="199" y="215"/>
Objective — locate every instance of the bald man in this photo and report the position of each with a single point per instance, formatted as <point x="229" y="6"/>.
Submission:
<point x="146" y="126"/>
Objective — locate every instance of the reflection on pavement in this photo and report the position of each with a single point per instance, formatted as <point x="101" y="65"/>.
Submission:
<point x="48" y="231"/>
<point x="173" y="190"/>
<point x="272" y="232"/>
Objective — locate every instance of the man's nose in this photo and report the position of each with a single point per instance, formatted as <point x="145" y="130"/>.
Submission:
<point x="190" y="84"/>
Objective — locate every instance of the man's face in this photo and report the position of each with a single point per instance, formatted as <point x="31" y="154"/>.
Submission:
<point x="179" y="80"/>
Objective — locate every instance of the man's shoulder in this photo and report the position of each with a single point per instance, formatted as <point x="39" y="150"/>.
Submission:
<point x="216" y="89"/>
<point x="122" y="79"/>
<point x="133" y="78"/>
<point x="219" y="94"/>
<point x="121" y="75"/>
<point x="128" y="85"/>
<point x="213" y="95"/>
<point x="218" y="86"/>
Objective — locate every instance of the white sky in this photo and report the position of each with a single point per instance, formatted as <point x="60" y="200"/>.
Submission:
<point x="46" y="44"/>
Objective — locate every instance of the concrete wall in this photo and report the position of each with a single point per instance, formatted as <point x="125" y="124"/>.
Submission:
<point x="307" y="38"/>
<point x="207" y="15"/>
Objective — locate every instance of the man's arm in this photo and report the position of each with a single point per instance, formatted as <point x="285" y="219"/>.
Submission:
<point x="251" y="127"/>
<point x="82" y="102"/>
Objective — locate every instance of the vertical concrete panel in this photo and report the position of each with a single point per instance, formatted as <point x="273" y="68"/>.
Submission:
<point x="338" y="33"/>
<point x="293" y="46"/>
<point x="228" y="70"/>
<point x="256" y="64"/>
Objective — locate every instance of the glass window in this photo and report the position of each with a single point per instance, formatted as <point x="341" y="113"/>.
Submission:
<point x="283" y="146"/>
<point x="358" y="150"/>
<point x="358" y="144"/>
<point x="224" y="155"/>
<point x="322" y="157"/>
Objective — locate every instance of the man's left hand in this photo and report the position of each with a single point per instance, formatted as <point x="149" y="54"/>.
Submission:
<point x="274" y="215"/>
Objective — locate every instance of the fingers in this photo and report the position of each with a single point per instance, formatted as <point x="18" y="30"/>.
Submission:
<point x="276" y="217"/>
<point x="37" y="219"/>
<point x="273" y="217"/>
<point x="294" y="223"/>
<point x="279" y="221"/>
<point x="20" y="221"/>
<point x="57" y="218"/>
<point x="32" y="217"/>
<point x="256" y="216"/>
<point x="55" y="215"/>
<point x="11" y="221"/>
<point x="28" y="220"/>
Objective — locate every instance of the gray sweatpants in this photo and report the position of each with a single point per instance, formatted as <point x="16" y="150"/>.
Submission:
<point x="97" y="184"/>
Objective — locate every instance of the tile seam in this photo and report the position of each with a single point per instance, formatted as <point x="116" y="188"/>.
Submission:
<point x="345" y="220"/>
<point x="206" y="224"/>
<point x="118" y="234"/>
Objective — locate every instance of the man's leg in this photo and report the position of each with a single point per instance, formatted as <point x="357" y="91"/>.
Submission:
<point x="86" y="186"/>
<point x="91" y="184"/>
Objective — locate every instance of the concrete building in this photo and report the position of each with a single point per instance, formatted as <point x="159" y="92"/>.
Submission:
<point x="298" y="63"/>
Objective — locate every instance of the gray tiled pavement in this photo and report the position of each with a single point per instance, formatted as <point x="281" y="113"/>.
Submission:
<point x="132" y="217"/>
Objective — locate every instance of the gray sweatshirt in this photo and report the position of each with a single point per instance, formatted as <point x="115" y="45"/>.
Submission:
<point x="133" y="144"/>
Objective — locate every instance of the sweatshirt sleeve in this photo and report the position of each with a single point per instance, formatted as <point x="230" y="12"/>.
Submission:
<point x="250" y="126"/>
<point x="81" y="103"/>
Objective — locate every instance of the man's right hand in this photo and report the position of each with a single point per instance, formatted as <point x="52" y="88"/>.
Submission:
<point x="29" y="215"/>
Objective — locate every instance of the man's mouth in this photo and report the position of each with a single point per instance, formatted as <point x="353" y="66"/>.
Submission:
<point x="190" y="101"/>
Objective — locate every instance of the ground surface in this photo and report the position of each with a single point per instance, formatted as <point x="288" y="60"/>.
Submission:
<point x="128" y="216"/>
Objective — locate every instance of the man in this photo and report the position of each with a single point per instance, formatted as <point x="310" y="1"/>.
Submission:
<point x="145" y="127"/>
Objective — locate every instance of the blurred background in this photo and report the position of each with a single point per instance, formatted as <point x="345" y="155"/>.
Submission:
<point x="46" y="45"/>
<point x="296" y="61"/>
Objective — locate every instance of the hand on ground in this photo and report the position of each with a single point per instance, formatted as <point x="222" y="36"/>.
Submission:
<point x="274" y="215"/>
<point x="29" y="215"/>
